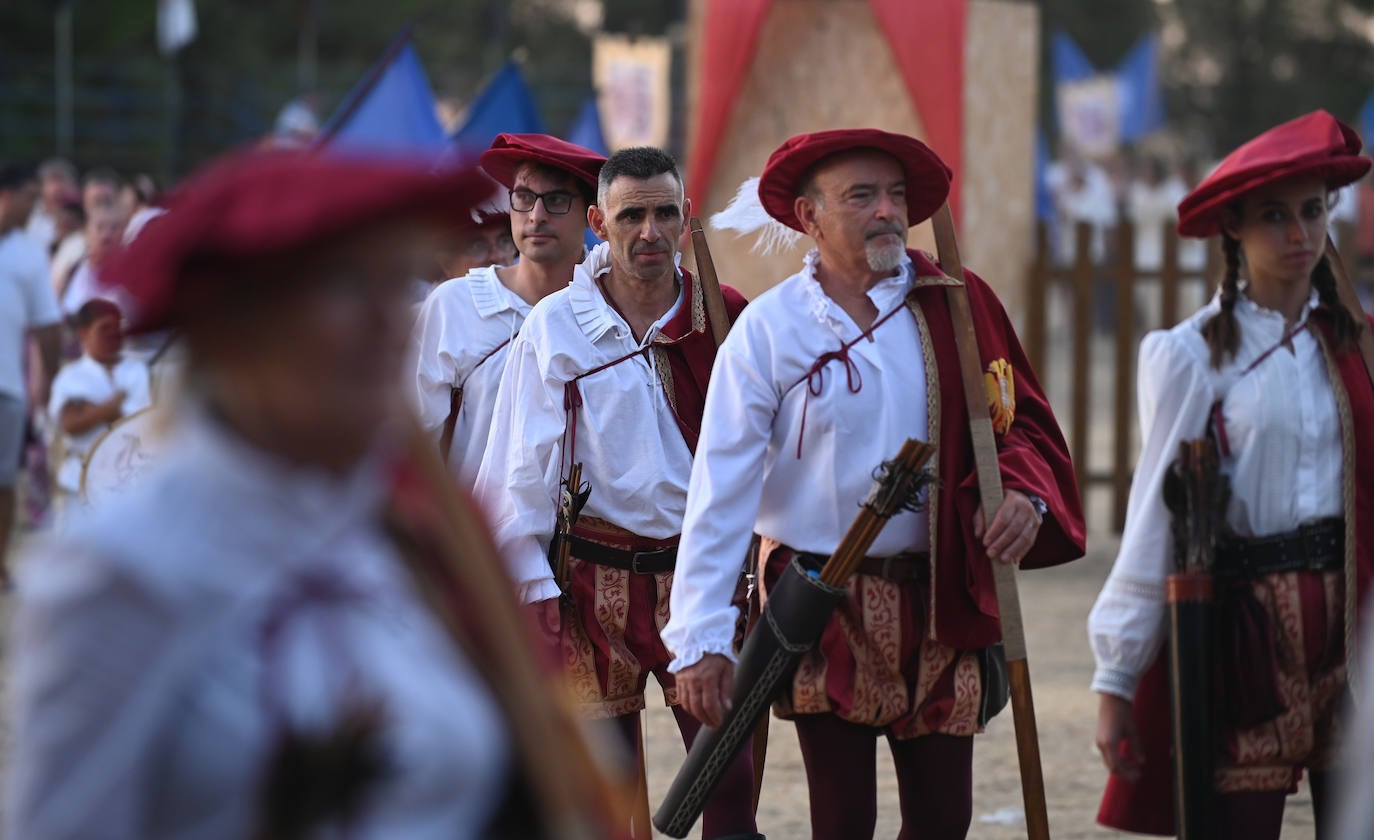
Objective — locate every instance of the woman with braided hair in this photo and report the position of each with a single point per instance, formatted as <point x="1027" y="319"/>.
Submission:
<point x="1270" y="370"/>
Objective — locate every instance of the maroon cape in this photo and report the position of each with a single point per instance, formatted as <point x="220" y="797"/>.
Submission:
<point x="1033" y="456"/>
<point x="1147" y="806"/>
<point x="691" y="349"/>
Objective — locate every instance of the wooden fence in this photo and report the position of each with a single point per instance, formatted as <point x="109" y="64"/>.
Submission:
<point x="1085" y="283"/>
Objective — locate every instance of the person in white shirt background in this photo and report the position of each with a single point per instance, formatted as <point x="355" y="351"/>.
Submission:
<point x="104" y="233"/>
<point x="92" y="392"/>
<point x="56" y="181"/>
<point x="27" y="308"/>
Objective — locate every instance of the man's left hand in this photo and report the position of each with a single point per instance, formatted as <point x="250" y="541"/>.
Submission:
<point x="1013" y="529"/>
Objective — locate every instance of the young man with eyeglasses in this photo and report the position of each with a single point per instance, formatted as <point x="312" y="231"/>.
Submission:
<point x="466" y="324"/>
<point x="611" y="372"/>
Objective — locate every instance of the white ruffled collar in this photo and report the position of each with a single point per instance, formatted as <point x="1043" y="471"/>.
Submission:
<point x="885" y="295"/>
<point x="1271" y="319"/>
<point x="594" y="314"/>
<point x="491" y="296"/>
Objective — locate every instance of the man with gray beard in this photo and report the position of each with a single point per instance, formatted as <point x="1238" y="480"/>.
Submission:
<point x="822" y="379"/>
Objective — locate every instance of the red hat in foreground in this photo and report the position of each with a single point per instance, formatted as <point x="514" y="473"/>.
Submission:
<point x="509" y="151"/>
<point x="256" y="206"/>
<point x="927" y="177"/>
<point x="1316" y="145"/>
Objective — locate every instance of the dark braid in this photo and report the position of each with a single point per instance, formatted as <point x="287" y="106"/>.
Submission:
<point x="1344" y="327"/>
<point x="1222" y="331"/>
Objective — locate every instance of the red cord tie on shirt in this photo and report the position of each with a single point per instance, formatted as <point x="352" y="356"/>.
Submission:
<point x="815" y="375"/>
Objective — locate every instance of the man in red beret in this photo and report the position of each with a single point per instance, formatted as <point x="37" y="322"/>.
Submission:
<point x="611" y="373"/>
<point x="270" y="633"/>
<point x="465" y="328"/>
<point x="821" y="380"/>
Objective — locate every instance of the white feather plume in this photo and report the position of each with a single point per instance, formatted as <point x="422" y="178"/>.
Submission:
<point x="495" y="204"/>
<point x="745" y="215"/>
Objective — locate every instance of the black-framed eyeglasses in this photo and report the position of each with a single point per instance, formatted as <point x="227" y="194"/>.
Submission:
<point x="556" y="202"/>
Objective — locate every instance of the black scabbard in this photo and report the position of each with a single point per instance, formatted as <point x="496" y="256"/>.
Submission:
<point x="793" y="618"/>
<point x="1190" y="695"/>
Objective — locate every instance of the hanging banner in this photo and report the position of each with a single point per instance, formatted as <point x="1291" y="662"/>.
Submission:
<point x="1090" y="115"/>
<point x="631" y="78"/>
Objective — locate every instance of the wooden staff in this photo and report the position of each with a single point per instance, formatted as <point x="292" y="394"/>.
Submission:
<point x="1350" y="299"/>
<point x="990" y="492"/>
<point x="710" y="282"/>
<point x="463" y="582"/>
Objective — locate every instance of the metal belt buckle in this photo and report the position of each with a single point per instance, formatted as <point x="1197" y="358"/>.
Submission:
<point x="647" y="557"/>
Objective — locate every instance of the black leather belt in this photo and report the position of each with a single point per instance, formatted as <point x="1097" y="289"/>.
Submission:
<point x="639" y="562"/>
<point x="1317" y="546"/>
<point x="898" y="568"/>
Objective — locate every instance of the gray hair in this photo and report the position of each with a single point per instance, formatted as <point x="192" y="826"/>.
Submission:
<point x="641" y="162"/>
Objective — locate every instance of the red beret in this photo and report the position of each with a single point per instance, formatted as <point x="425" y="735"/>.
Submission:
<point x="927" y="177"/>
<point x="509" y="151"/>
<point x="268" y="204"/>
<point x="1316" y="145"/>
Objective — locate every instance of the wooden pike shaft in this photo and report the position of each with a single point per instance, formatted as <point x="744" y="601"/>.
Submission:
<point x="1350" y="299"/>
<point x="710" y="282"/>
<point x="990" y="492"/>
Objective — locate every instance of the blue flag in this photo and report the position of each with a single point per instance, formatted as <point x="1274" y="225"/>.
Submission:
<point x="1137" y="79"/>
<point x="392" y="111"/>
<point x="1067" y="61"/>
<point x="1044" y="201"/>
<point x="586" y="129"/>
<point x="505" y="104"/>
<point x="1367" y="120"/>
<point x="586" y="132"/>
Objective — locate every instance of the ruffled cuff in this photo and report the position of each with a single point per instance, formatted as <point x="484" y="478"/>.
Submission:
<point x="1115" y="681"/>
<point x="719" y="638"/>
<point x="534" y="591"/>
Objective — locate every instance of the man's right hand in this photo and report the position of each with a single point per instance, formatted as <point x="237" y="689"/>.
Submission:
<point x="547" y="617"/>
<point x="704" y="688"/>
<point x="1117" y="737"/>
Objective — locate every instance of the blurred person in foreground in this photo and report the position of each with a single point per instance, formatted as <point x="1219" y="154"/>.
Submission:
<point x="823" y="378"/>
<point x="293" y="623"/>
<point x="610" y="372"/>
<point x="466" y="326"/>
<point x="94" y="391"/>
<point x="1353" y="810"/>
<point x="1269" y="370"/>
<point x="27" y="309"/>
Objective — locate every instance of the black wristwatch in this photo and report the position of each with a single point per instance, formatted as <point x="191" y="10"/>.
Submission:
<point x="1041" y="509"/>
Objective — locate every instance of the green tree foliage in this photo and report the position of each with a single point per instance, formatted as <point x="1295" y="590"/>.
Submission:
<point x="1231" y="68"/>
<point x="1246" y="65"/>
<point x="226" y="87"/>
